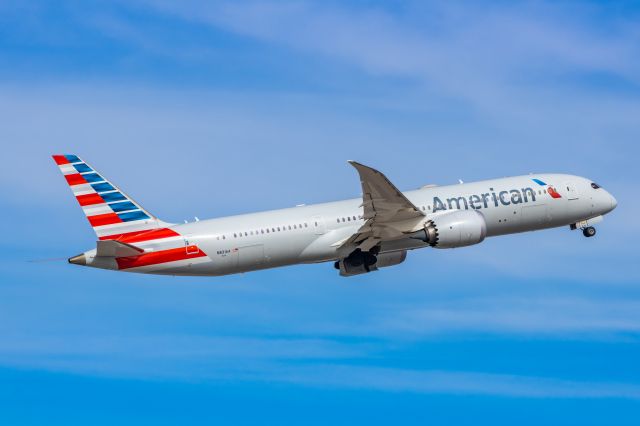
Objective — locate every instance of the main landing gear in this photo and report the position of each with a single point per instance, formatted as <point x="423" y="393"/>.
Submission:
<point x="589" y="231"/>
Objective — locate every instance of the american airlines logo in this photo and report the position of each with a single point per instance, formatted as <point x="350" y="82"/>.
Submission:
<point x="551" y="190"/>
<point x="480" y="201"/>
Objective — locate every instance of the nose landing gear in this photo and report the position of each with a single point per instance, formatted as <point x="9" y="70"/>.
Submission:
<point x="589" y="231"/>
<point x="586" y="226"/>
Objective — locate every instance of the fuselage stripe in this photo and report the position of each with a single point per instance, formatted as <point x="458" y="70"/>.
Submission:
<point x="158" y="257"/>
<point x="139" y="236"/>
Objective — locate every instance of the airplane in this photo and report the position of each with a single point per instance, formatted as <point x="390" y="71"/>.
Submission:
<point x="358" y="235"/>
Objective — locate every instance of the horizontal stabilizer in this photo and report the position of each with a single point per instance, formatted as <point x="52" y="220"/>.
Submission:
<point x="112" y="248"/>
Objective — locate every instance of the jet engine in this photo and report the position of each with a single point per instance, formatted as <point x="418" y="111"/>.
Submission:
<point x="458" y="228"/>
<point x="360" y="262"/>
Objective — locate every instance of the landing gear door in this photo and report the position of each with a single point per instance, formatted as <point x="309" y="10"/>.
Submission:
<point x="572" y="194"/>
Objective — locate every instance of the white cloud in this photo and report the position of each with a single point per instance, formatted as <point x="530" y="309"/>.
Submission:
<point x="499" y="60"/>
<point x="254" y="365"/>
<point x="522" y="315"/>
<point x="456" y="382"/>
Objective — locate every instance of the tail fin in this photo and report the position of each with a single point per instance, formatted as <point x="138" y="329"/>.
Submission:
<point x="111" y="213"/>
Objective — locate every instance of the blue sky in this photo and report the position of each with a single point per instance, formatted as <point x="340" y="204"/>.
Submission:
<point x="217" y="108"/>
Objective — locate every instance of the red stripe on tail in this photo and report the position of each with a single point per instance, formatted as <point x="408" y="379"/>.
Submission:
<point x="60" y="159"/>
<point x="157" y="257"/>
<point x="75" y="179"/>
<point x="89" y="199"/>
<point x="104" y="219"/>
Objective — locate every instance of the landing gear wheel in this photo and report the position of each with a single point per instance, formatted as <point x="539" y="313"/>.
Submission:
<point x="589" y="231"/>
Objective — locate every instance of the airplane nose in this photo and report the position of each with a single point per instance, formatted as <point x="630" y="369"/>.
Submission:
<point x="614" y="202"/>
<point x="80" y="259"/>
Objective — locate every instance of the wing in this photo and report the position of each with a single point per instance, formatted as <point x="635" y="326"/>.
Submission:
<point x="388" y="214"/>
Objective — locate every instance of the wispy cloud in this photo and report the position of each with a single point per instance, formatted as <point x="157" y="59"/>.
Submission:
<point x="456" y="382"/>
<point x="528" y="315"/>
<point x="498" y="60"/>
<point x="255" y="363"/>
<point x="427" y="93"/>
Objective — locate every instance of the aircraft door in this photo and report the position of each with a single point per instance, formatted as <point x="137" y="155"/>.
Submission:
<point x="318" y="225"/>
<point x="572" y="194"/>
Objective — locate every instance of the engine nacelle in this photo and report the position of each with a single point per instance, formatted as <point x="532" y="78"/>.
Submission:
<point x="391" y="259"/>
<point x="459" y="228"/>
<point x="360" y="262"/>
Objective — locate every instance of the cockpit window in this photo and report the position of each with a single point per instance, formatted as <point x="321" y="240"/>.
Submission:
<point x="595" y="185"/>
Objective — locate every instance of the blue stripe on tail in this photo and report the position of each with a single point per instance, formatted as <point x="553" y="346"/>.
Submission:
<point x="102" y="187"/>
<point x="123" y="207"/>
<point x="130" y="216"/>
<point x="113" y="196"/>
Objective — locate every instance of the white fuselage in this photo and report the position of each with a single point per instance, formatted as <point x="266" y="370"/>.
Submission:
<point x="312" y="233"/>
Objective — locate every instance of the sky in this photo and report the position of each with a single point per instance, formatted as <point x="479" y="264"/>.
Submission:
<point x="217" y="108"/>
